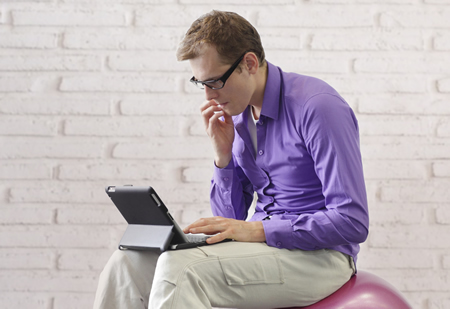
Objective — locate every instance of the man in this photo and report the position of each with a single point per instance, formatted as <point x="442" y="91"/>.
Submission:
<point x="294" y="141"/>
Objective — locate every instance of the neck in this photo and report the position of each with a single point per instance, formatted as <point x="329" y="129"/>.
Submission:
<point x="258" y="96"/>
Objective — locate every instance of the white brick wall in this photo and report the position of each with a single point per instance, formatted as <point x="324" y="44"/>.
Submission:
<point x="91" y="95"/>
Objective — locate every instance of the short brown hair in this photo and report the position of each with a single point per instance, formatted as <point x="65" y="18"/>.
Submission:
<point x="231" y="34"/>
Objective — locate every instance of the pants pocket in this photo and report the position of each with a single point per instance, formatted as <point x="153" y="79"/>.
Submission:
<point x="245" y="270"/>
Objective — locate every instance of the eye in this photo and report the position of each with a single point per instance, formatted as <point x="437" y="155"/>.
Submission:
<point x="215" y="84"/>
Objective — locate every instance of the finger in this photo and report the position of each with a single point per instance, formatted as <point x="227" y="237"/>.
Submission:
<point x="217" y="238"/>
<point x="207" y="229"/>
<point x="202" y="222"/>
<point x="211" y="114"/>
<point x="208" y="104"/>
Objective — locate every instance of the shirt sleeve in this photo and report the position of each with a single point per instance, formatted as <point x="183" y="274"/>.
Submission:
<point x="231" y="193"/>
<point x="330" y="131"/>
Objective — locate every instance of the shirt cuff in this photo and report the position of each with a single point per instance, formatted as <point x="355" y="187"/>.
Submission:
<point x="223" y="177"/>
<point x="279" y="233"/>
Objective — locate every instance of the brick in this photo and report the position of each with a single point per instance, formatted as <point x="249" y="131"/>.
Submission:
<point x="120" y="83"/>
<point x="419" y="104"/>
<point x="51" y="17"/>
<point x="382" y="214"/>
<point x="10" y="171"/>
<point x="398" y="259"/>
<point x="430" y="64"/>
<point x="124" y="126"/>
<point x="442" y="302"/>
<point x="443" y="215"/>
<point x="419" y="280"/>
<point x="410" y="148"/>
<point x="16" y="83"/>
<point x="74" y="300"/>
<point x="159" y="16"/>
<point x="441" y="169"/>
<point x="161" y="61"/>
<point x="410" y="237"/>
<point x="122" y="39"/>
<point x="54" y="236"/>
<point x="28" y="126"/>
<point x="442" y="42"/>
<point x="397" y="125"/>
<point x="443" y="85"/>
<point x="424" y="17"/>
<point x="384" y="169"/>
<point x="281" y="39"/>
<point x="396" y="40"/>
<point x="446" y="261"/>
<point x="54" y="106"/>
<point x="179" y="148"/>
<point x="316" y="16"/>
<point x="29" y="40"/>
<point x="50" y="63"/>
<point x="191" y="215"/>
<point x="248" y="2"/>
<point x="443" y="129"/>
<point x="89" y="215"/>
<point x="377" y="85"/>
<point x="17" y="258"/>
<point x="416" y="192"/>
<point x="42" y="281"/>
<point x="148" y="2"/>
<point x="163" y="104"/>
<point x="51" y="149"/>
<point x="59" y="193"/>
<point x="197" y="174"/>
<point x="114" y="171"/>
<point x="26" y="214"/>
<point x="197" y="128"/>
<point x="24" y="299"/>
<point x="90" y="259"/>
<point x="366" y="1"/>
<point x="295" y="63"/>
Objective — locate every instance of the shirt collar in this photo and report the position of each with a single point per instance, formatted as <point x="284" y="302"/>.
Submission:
<point x="272" y="93"/>
<point x="272" y="96"/>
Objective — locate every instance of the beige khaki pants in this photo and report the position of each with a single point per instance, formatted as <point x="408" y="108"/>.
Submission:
<point x="226" y="275"/>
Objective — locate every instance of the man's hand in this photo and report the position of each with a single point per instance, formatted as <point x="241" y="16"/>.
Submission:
<point x="228" y="228"/>
<point x="220" y="132"/>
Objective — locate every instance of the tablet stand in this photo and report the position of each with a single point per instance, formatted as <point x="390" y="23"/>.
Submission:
<point x="144" y="237"/>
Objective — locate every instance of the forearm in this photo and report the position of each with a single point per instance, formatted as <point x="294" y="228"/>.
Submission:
<point x="231" y="193"/>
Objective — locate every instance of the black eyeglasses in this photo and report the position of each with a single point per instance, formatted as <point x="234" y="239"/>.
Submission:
<point x="217" y="83"/>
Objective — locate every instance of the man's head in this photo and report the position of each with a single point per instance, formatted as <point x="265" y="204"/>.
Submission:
<point x="218" y="44"/>
<point x="231" y="35"/>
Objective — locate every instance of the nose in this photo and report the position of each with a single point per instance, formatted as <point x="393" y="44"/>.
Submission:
<point x="211" y="94"/>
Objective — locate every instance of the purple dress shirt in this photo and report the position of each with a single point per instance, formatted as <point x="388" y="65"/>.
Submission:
<point x="307" y="171"/>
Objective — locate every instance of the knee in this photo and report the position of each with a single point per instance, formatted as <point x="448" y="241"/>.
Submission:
<point x="117" y="260"/>
<point x="172" y="265"/>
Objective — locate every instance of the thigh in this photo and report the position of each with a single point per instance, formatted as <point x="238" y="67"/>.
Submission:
<point x="257" y="275"/>
<point x="250" y="275"/>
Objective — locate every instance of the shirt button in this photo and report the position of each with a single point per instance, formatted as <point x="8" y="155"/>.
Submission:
<point x="279" y="244"/>
<point x="226" y="179"/>
<point x="261" y="152"/>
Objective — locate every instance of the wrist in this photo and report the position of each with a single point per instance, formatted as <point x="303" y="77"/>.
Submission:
<point x="258" y="234"/>
<point x="222" y="162"/>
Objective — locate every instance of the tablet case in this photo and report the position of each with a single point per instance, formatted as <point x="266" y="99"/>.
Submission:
<point x="150" y="224"/>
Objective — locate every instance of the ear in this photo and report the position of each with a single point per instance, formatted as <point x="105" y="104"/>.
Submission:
<point x="251" y="62"/>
